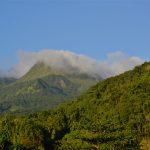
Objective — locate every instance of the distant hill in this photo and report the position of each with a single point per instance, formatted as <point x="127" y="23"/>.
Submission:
<point x="42" y="88"/>
<point x="112" y="115"/>
<point x="5" y="81"/>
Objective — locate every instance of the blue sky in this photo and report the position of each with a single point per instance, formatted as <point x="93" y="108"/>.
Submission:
<point x="90" y="27"/>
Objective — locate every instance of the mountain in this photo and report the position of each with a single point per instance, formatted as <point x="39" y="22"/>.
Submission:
<point x="112" y="115"/>
<point x="42" y="88"/>
<point x="5" y="81"/>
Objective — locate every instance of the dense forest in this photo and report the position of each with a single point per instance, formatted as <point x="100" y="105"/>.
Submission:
<point x="112" y="115"/>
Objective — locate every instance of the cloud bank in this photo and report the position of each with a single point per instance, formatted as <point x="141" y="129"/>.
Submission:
<point x="70" y="62"/>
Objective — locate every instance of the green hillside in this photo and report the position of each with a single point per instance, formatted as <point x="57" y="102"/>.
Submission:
<point x="113" y="115"/>
<point x="40" y="89"/>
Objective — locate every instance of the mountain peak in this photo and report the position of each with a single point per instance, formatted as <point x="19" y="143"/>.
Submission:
<point x="39" y="70"/>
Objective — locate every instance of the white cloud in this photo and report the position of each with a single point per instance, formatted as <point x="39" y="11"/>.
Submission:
<point x="118" y="62"/>
<point x="67" y="61"/>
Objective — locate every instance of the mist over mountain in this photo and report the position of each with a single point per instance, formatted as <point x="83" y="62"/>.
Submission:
<point x="49" y="77"/>
<point x="69" y="62"/>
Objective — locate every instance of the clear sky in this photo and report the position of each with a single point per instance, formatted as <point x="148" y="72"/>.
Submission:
<point x="90" y="27"/>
